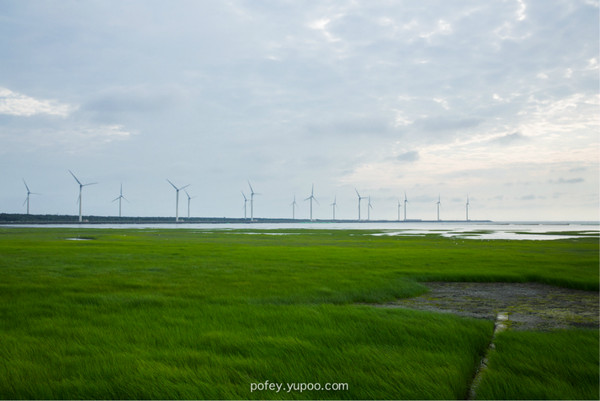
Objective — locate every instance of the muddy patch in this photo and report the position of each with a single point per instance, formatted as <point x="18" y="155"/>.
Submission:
<point x="529" y="306"/>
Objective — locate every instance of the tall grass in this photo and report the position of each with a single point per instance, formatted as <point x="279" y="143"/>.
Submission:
<point x="176" y="349"/>
<point x="190" y="314"/>
<point x="543" y="365"/>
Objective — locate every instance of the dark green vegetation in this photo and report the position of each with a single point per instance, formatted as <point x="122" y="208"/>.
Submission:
<point x="557" y="370"/>
<point x="191" y="314"/>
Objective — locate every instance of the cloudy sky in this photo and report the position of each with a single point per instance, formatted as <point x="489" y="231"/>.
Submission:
<point x="497" y="100"/>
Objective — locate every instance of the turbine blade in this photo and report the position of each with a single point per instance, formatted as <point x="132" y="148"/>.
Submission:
<point x="251" y="189"/>
<point x="357" y="192"/>
<point x="26" y="185"/>
<point x="76" y="179"/>
<point x="91" y="183"/>
<point x="173" y="185"/>
<point x="185" y="186"/>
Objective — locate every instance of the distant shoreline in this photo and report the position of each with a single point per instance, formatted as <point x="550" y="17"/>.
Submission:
<point x="24" y="219"/>
<point x="15" y="219"/>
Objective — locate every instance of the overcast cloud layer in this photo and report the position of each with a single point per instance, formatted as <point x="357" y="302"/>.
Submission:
<point x="497" y="100"/>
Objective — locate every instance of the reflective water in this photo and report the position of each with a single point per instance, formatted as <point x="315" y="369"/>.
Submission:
<point x="472" y="230"/>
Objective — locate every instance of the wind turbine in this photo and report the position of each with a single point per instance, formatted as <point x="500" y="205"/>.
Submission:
<point x="80" y="190"/>
<point x="28" y="193"/>
<point x="467" y="207"/>
<point x="189" y="199"/>
<point x="399" y="206"/>
<point x="119" y="198"/>
<point x="405" y="202"/>
<point x="438" y="207"/>
<point x="252" y="193"/>
<point x="369" y="207"/>
<point x="245" y="201"/>
<point x="311" y="198"/>
<point x="359" y="199"/>
<point x="333" y="206"/>
<point x="177" y="198"/>
<point x="293" y="205"/>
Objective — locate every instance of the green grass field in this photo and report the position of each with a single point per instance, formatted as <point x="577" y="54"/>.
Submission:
<point x="564" y="366"/>
<point x="171" y="314"/>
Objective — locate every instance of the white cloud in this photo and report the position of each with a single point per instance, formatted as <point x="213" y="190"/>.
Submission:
<point x="442" y="28"/>
<point x="321" y="26"/>
<point x="17" y="104"/>
<point x="442" y="102"/>
<point x="521" y="10"/>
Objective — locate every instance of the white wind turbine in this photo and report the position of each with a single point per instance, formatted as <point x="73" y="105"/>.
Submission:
<point x="293" y="205"/>
<point x="438" y="207"/>
<point x="467" y="207"/>
<point x="369" y="207"/>
<point x="245" y="202"/>
<point x="80" y="191"/>
<point x="311" y="198"/>
<point x="405" y="202"/>
<point x="333" y="206"/>
<point x="252" y="193"/>
<point x="28" y="193"/>
<point x="189" y="200"/>
<point x="177" y="198"/>
<point x="359" y="199"/>
<point x="399" y="207"/>
<point x="119" y="198"/>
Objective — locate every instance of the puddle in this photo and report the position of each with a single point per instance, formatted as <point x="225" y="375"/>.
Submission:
<point x="493" y="235"/>
<point x="529" y="306"/>
<point x="80" y="239"/>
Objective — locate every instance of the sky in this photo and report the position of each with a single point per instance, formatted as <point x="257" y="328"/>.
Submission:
<point x="497" y="101"/>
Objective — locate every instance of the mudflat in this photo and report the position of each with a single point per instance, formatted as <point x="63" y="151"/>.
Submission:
<point x="530" y="306"/>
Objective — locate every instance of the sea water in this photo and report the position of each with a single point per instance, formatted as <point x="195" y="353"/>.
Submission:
<point x="471" y="230"/>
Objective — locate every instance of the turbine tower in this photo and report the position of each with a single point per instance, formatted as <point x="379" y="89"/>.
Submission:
<point x="399" y="206"/>
<point x="28" y="193"/>
<point x="311" y="198"/>
<point x="438" y="208"/>
<point x="119" y="198"/>
<point x="189" y="200"/>
<point x="333" y="206"/>
<point x="177" y="198"/>
<point x="369" y="207"/>
<point x="245" y="201"/>
<point x="359" y="199"/>
<point x="405" y="202"/>
<point x="80" y="190"/>
<point x="467" y="207"/>
<point x="252" y="193"/>
<point x="293" y="205"/>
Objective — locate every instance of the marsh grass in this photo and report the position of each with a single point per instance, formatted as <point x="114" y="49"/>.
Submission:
<point x="543" y="365"/>
<point x="172" y="350"/>
<point x="173" y="314"/>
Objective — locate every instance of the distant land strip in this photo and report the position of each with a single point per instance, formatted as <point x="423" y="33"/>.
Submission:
<point x="8" y="218"/>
